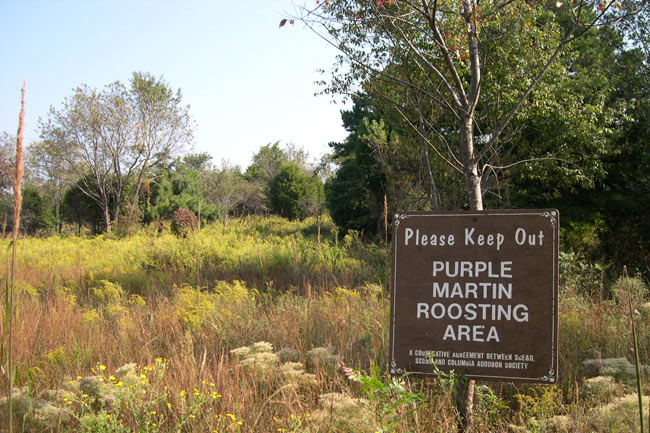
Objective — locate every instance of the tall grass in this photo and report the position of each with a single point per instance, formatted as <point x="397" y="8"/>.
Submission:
<point x="96" y="304"/>
<point x="9" y="293"/>
<point x="266" y="253"/>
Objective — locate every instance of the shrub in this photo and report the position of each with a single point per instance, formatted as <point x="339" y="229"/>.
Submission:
<point x="183" y="222"/>
<point x="627" y="289"/>
<point x="343" y="413"/>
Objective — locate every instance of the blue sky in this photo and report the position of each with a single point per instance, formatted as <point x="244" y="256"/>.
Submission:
<point x="248" y="83"/>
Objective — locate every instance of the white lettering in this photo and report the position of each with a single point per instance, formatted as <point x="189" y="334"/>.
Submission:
<point x="468" y="236"/>
<point x="454" y="315"/>
<point x="423" y="308"/>
<point x="440" y="292"/>
<point x="523" y="316"/>
<point x="408" y="234"/>
<point x="506" y="269"/>
<point x="433" y="312"/>
<point x="492" y="334"/>
<point x="471" y="333"/>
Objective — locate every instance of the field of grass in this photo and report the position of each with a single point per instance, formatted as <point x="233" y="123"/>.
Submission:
<point x="247" y="329"/>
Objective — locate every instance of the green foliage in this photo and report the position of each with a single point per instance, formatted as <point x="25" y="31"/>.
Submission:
<point x="603" y="168"/>
<point x="228" y="189"/>
<point x="289" y="189"/>
<point x="198" y="307"/>
<point x="113" y="139"/>
<point x="541" y="403"/>
<point x="266" y="163"/>
<point x="79" y="209"/>
<point x="394" y="403"/>
<point x="579" y="275"/>
<point x="105" y="292"/>
<point x="489" y="407"/>
<point x="355" y="193"/>
<point x="628" y="290"/>
<point x="179" y="186"/>
<point x="36" y="212"/>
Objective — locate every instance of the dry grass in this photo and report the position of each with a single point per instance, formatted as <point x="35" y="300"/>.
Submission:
<point x="68" y="328"/>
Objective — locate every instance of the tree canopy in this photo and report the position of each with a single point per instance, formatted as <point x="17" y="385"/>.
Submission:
<point x="115" y="137"/>
<point x="460" y="74"/>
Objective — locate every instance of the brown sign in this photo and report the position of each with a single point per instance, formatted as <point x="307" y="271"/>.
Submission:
<point x="476" y="292"/>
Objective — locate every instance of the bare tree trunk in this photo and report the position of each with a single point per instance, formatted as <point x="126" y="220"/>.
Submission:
<point x="465" y="404"/>
<point x="318" y="224"/>
<point x="57" y="216"/>
<point x="107" y="215"/>
<point x="465" y="389"/>
<point x="199" y="219"/>
<point x="433" y="191"/>
<point x="470" y="164"/>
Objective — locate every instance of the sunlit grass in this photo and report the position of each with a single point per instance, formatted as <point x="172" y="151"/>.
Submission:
<point x="117" y="335"/>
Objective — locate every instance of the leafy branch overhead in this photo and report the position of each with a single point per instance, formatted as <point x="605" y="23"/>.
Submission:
<point x="459" y="75"/>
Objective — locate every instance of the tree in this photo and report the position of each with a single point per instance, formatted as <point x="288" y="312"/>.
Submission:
<point x="7" y="150"/>
<point x="34" y="213"/>
<point x="46" y="168"/>
<point x="267" y="163"/>
<point x="226" y="188"/>
<point x="455" y="73"/>
<point x="162" y="127"/>
<point x="179" y="185"/>
<point x="377" y="162"/>
<point x="605" y="218"/>
<point x="289" y="189"/>
<point x="7" y="157"/>
<point x="354" y="194"/>
<point x="80" y="209"/>
<point x="434" y="61"/>
<point x="112" y="139"/>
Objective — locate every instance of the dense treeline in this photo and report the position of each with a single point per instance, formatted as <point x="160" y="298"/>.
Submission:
<point x="576" y="142"/>
<point x="120" y="157"/>
<point x="116" y="159"/>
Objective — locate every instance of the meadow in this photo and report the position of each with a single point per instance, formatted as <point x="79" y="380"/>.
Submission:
<point x="261" y="327"/>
